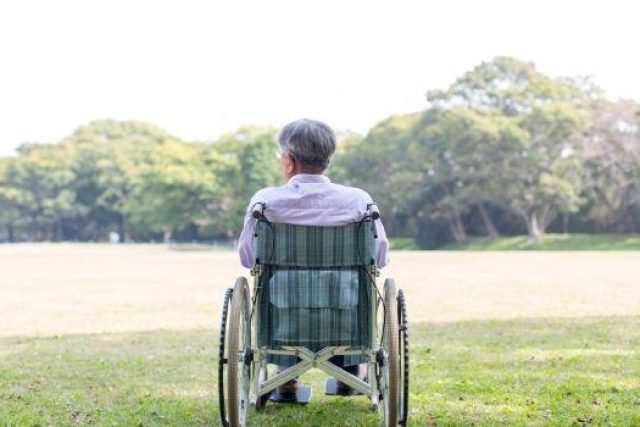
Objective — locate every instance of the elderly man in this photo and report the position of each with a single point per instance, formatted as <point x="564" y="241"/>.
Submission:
<point x="309" y="198"/>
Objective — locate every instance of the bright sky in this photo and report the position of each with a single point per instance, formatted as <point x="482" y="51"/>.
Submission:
<point x="201" y="68"/>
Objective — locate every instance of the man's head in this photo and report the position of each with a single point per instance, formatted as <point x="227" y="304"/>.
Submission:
<point x="306" y="146"/>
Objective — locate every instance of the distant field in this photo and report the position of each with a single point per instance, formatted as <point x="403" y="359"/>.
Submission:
<point x="54" y="289"/>
<point x="125" y="335"/>
<point x="554" y="242"/>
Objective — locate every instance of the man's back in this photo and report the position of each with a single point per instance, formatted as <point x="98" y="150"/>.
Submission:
<point x="310" y="199"/>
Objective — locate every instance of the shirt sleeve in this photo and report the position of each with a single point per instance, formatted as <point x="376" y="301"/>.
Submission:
<point x="246" y="242"/>
<point x="382" y="243"/>
<point x="246" y="247"/>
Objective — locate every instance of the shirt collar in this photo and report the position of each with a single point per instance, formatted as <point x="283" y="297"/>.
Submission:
<point x="308" y="178"/>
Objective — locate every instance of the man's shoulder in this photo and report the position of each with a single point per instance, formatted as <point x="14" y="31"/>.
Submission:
<point x="355" y="192"/>
<point x="264" y="194"/>
<point x="268" y="194"/>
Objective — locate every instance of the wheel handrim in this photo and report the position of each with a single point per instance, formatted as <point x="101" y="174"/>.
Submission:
<point x="238" y="368"/>
<point x="390" y="371"/>
<point x="404" y="358"/>
<point x="243" y="397"/>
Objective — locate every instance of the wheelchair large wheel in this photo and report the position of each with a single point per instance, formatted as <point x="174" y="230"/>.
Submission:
<point x="223" y="357"/>
<point x="238" y="356"/>
<point x="391" y="360"/>
<point x="404" y="358"/>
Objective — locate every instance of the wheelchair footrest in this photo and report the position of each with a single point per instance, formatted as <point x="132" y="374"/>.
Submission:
<point x="302" y="396"/>
<point x="331" y="388"/>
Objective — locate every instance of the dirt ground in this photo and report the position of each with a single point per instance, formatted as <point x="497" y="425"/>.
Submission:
<point x="54" y="289"/>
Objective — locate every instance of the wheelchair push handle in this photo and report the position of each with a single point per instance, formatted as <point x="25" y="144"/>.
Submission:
<point x="373" y="211"/>
<point x="257" y="211"/>
<point x="374" y="214"/>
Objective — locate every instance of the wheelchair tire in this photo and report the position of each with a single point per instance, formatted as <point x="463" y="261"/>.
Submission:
<point x="239" y="363"/>
<point x="222" y="357"/>
<point x="404" y="358"/>
<point x="391" y="368"/>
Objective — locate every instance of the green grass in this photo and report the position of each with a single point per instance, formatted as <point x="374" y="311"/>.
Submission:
<point x="554" y="242"/>
<point x="403" y="244"/>
<point x="521" y="372"/>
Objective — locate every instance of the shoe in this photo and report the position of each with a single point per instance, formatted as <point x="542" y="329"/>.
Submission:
<point x="288" y="390"/>
<point x="359" y="371"/>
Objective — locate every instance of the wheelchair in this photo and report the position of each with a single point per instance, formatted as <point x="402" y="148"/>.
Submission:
<point x="314" y="297"/>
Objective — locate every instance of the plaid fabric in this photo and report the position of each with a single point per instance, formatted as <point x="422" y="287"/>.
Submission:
<point x="314" y="290"/>
<point x="288" y="245"/>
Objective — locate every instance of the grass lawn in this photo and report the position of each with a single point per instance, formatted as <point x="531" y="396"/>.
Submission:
<point x="513" y="372"/>
<point x="123" y="335"/>
<point x="554" y="242"/>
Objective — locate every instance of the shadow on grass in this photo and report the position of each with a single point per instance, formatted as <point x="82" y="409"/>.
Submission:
<point x="529" y="371"/>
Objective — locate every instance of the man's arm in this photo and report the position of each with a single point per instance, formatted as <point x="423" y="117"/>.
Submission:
<point x="246" y="247"/>
<point x="382" y="245"/>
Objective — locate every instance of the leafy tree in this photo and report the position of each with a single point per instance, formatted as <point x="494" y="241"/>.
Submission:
<point x="541" y="165"/>
<point x="379" y="164"/>
<point x="9" y="199"/>
<point x="38" y="185"/>
<point x="106" y="154"/>
<point x="178" y="185"/>
<point x="513" y="87"/>
<point x="544" y="169"/>
<point x="251" y="164"/>
<point x="613" y="166"/>
<point x="460" y="152"/>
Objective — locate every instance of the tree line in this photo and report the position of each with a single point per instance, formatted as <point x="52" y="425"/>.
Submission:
<point x="503" y="150"/>
<point x="134" y="179"/>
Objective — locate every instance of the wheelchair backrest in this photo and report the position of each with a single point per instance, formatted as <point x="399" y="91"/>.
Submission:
<point x="314" y="284"/>
<point x="286" y="245"/>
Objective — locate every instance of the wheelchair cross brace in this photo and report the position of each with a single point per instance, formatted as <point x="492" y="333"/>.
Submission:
<point x="318" y="360"/>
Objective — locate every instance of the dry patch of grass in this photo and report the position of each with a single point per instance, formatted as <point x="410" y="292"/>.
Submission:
<point x="51" y="289"/>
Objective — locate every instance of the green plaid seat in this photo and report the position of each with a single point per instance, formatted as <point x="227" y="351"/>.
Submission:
<point x="314" y="290"/>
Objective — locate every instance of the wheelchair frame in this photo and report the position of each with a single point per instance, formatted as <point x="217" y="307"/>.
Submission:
<point x="243" y="378"/>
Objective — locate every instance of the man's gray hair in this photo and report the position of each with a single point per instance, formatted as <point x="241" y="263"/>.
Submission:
<point x="310" y="142"/>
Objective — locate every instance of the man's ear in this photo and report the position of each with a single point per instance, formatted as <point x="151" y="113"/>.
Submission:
<point x="290" y="165"/>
